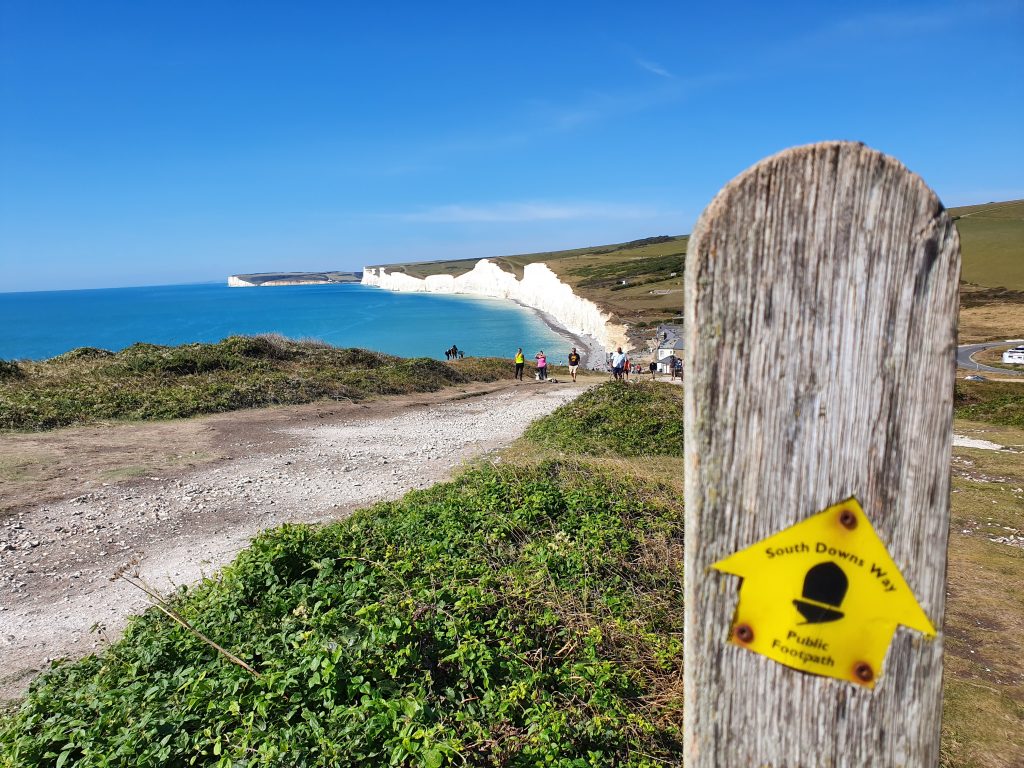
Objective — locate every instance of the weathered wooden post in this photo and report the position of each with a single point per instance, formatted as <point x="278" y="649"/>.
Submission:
<point x="821" y="309"/>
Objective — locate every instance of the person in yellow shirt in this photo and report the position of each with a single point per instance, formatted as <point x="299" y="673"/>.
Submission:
<point x="574" y="363"/>
<point x="520" y="363"/>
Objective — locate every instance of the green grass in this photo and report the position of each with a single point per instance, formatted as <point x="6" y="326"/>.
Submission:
<point x="639" y="419"/>
<point x="635" y="271"/>
<point x="518" y="616"/>
<point x="146" y="381"/>
<point x="995" y="402"/>
<point x="992" y="243"/>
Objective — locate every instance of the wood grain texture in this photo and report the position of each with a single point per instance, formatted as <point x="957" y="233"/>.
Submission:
<point x="821" y="306"/>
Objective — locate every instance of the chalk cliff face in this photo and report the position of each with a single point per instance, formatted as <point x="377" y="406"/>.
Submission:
<point x="237" y="282"/>
<point x="540" y="289"/>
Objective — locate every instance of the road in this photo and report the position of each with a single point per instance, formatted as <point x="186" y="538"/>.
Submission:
<point x="964" y="359"/>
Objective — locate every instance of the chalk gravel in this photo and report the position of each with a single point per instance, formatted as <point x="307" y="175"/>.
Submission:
<point x="57" y="598"/>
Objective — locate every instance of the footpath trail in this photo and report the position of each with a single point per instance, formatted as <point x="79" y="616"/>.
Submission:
<point x="57" y="556"/>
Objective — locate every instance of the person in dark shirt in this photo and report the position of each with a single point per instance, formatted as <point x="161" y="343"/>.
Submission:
<point x="574" y="362"/>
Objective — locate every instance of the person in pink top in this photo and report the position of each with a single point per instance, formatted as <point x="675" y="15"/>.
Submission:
<point x="542" y="366"/>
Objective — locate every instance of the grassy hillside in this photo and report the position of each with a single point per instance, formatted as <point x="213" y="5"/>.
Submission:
<point x="146" y="381"/>
<point x="992" y="241"/>
<point x="640" y="282"/>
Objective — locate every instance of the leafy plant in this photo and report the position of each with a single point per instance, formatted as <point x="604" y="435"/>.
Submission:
<point x="513" y="617"/>
<point x="638" y="419"/>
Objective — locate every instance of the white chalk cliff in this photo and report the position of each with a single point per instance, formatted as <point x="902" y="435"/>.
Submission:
<point x="539" y="289"/>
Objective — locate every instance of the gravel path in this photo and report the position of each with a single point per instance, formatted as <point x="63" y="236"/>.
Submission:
<point x="56" y="560"/>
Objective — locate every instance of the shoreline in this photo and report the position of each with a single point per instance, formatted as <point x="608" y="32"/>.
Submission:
<point x="590" y="349"/>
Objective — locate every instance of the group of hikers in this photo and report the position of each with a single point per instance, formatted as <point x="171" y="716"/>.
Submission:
<point x="621" y="366"/>
<point x="542" y="364"/>
<point x="618" y="362"/>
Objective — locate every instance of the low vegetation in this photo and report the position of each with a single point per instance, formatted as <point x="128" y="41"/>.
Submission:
<point x="992" y="240"/>
<point x="528" y="613"/>
<point x="635" y="271"/>
<point x="146" y="381"/>
<point x="627" y="420"/>
<point x="995" y="402"/>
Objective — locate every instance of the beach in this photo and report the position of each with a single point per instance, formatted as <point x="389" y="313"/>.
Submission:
<point x="590" y="349"/>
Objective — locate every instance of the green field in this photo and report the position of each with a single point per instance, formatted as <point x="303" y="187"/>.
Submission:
<point x="992" y="243"/>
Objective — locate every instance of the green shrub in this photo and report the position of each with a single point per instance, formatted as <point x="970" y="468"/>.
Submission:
<point x="638" y="419"/>
<point x="9" y="369"/>
<point x="516" y="617"/>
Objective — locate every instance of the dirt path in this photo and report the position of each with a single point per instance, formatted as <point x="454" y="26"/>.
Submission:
<point x="199" y="490"/>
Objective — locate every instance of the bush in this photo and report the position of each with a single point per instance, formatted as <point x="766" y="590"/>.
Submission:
<point x="83" y="353"/>
<point x="9" y="369"/>
<point x="638" y="419"/>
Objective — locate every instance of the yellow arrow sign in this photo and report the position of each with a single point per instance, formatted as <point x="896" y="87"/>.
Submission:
<point x="823" y="596"/>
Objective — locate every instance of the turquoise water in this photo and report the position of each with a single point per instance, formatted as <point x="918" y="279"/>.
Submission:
<point x="42" y="324"/>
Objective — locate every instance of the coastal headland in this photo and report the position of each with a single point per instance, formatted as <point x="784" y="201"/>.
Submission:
<point x="617" y="294"/>
<point x="267" y="279"/>
<point x="539" y="289"/>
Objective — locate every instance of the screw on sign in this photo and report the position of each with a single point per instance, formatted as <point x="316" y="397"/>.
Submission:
<point x="820" y="305"/>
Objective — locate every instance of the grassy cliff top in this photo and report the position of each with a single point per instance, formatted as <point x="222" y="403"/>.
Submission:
<point x="529" y="612"/>
<point x="270" y="278"/>
<point x="638" y="281"/>
<point x="641" y="281"/>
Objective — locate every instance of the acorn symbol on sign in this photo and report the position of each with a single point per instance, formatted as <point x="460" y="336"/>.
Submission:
<point x="825" y="587"/>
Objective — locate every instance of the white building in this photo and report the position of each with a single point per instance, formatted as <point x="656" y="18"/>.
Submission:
<point x="665" y="351"/>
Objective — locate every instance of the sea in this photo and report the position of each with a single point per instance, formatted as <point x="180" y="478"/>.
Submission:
<point x="41" y="324"/>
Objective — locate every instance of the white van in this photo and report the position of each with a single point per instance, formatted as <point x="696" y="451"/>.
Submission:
<point x="1014" y="356"/>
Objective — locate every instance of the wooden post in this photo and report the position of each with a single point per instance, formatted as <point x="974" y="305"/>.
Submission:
<point x="821" y="308"/>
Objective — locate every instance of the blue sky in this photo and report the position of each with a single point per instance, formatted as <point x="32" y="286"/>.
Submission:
<point x="146" y="143"/>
